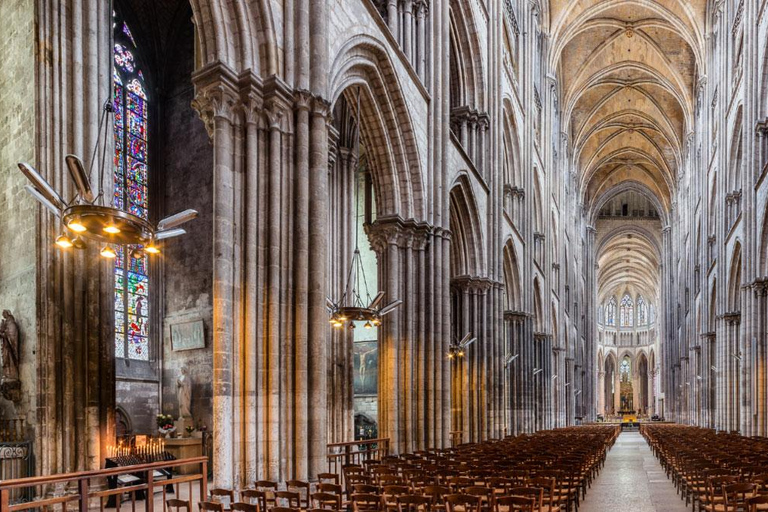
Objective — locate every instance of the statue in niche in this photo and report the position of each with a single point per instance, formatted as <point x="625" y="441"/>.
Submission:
<point x="10" y="386"/>
<point x="184" y="393"/>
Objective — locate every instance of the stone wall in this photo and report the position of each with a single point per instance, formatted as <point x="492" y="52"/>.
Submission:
<point x="17" y="208"/>
<point x="188" y="172"/>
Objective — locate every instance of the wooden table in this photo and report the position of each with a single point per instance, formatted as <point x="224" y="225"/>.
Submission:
<point x="185" y="448"/>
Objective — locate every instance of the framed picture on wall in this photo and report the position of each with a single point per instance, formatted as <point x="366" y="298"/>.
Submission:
<point x="366" y="371"/>
<point x="188" y="335"/>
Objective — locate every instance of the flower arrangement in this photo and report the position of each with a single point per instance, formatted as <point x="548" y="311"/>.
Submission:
<point x="189" y="429"/>
<point x="165" y="424"/>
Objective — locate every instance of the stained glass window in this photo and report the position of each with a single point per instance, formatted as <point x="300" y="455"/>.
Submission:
<point x="626" y="311"/>
<point x="624" y="369"/>
<point x="642" y="311"/>
<point x="610" y="312"/>
<point x="131" y="132"/>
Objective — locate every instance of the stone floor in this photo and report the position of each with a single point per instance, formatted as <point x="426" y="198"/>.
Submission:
<point x="632" y="480"/>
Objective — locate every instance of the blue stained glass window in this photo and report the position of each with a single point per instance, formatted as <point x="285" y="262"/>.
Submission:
<point x="131" y="133"/>
<point x="626" y="311"/>
<point x="610" y="312"/>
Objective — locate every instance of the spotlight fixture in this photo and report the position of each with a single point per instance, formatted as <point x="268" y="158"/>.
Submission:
<point x="64" y="241"/>
<point x="509" y="359"/>
<point x="459" y="349"/>
<point x="108" y="252"/>
<point x="537" y="371"/>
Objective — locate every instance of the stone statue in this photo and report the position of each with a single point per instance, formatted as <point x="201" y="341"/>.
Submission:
<point x="184" y="394"/>
<point x="9" y="354"/>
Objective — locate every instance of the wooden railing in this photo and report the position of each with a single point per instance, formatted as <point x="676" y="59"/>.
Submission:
<point x="78" y="491"/>
<point x="356" y="452"/>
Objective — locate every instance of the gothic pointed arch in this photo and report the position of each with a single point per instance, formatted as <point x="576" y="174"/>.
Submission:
<point x="512" y="277"/>
<point x="467" y="255"/>
<point x="385" y="122"/>
<point x="240" y="35"/>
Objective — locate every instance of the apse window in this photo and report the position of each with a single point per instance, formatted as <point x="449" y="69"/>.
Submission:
<point x="131" y="135"/>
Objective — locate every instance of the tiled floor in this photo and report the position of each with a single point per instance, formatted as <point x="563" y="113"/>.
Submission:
<point x="632" y="481"/>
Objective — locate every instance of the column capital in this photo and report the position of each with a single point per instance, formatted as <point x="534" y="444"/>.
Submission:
<point x="472" y="284"/>
<point x="393" y="230"/>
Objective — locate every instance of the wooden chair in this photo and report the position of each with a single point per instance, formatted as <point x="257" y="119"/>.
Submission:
<point x="366" y="502"/>
<point x="176" y="505"/>
<point x="223" y="496"/>
<point x="269" y="488"/>
<point x="514" y="504"/>
<point x="736" y="496"/>
<point x="239" y="506"/>
<point x="210" y="506"/>
<point x="413" y="503"/>
<point x="293" y="499"/>
<point x="254" y="496"/>
<point x="390" y="493"/>
<point x="300" y="487"/>
<point x="285" y="509"/>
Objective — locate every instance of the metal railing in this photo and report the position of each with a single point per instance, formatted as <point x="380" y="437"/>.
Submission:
<point x="76" y="490"/>
<point x="16" y="459"/>
<point x="356" y="452"/>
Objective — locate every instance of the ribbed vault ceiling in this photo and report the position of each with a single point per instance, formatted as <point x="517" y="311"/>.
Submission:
<point x="628" y="261"/>
<point x="627" y="70"/>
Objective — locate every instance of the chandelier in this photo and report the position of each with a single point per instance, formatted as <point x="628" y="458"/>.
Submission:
<point x="87" y="216"/>
<point x="355" y="304"/>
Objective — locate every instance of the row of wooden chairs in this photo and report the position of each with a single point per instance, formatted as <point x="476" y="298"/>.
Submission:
<point x="714" y="472"/>
<point x="549" y="471"/>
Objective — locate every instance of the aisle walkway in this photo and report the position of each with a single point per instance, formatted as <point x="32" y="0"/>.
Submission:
<point x="632" y="480"/>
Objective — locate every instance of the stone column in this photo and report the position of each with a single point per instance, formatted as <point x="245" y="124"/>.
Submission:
<point x="406" y="389"/>
<point x="601" y="395"/>
<point x="408" y="29"/>
<point x="421" y="34"/>
<point x="392" y="18"/>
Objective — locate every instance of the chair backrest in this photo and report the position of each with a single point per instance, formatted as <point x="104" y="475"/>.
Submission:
<point x="239" y="506"/>
<point x="515" y="504"/>
<point x="757" y="500"/>
<point x="293" y="499"/>
<point x="366" y="502"/>
<point x="331" y="488"/>
<point x="737" y="494"/>
<point x="331" y="478"/>
<point x="225" y="496"/>
<point x="366" y="489"/>
<point x="535" y="493"/>
<point x="284" y="509"/>
<point x="413" y="503"/>
<point x="300" y="487"/>
<point x="465" y="502"/>
<point x="326" y="501"/>
<point x="253" y="495"/>
<point x="176" y="505"/>
<point x="211" y="506"/>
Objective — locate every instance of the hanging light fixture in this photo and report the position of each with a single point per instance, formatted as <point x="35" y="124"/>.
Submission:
<point x="459" y="350"/>
<point x="87" y="215"/>
<point x="355" y="304"/>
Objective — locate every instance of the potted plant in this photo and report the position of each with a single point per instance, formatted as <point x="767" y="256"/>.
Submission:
<point x="165" y="424"/>
<point x="189" y="429"/>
